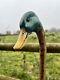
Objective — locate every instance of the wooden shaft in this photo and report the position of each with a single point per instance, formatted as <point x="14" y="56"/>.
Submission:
<point x="41" y="38"/>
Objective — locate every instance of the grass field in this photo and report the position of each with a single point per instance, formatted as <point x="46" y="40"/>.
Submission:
<point x="25" y="65"/>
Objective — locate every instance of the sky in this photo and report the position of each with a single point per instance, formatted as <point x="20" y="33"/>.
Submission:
<point x="11" y="12"/>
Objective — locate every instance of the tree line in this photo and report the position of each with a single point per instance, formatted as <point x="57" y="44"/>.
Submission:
<point x="18" y="31"/>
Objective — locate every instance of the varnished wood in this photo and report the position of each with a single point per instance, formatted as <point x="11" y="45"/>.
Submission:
<point x="41" y="38"/>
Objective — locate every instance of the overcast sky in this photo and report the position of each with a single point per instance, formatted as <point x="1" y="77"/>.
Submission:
<point x="11" y="12"/>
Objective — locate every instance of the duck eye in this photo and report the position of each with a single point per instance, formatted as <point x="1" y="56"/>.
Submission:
<point x="27" y="19"/>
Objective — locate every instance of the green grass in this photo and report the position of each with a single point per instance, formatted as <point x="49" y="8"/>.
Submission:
<point x="50" y="38"/>
<point x="53" y="37"/>
<point x="8" y="39"/>
<point x="25" y="65"/>
<point x="12" y="64"/>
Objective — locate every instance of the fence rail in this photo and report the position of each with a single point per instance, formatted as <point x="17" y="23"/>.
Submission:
<point x="32" y="47"/>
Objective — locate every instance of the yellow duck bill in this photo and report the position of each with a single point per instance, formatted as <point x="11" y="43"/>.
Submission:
<point x="21" y="39"/>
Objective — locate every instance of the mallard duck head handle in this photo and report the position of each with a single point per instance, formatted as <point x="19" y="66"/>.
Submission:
<point x="30" y="23"/>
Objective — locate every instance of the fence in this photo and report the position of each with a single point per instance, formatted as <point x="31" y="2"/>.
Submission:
<point x="30" y="47"/>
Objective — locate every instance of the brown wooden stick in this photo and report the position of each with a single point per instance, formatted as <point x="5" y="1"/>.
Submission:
<point x="42" y="46"/>
<point x="32" y="47"/>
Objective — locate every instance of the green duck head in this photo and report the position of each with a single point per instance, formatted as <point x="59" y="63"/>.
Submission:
<point x="29" y="23"/>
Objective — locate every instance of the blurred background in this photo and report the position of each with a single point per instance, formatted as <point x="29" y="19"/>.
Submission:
<point x="25" y="65"/>
<point x="11" y="12"/>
